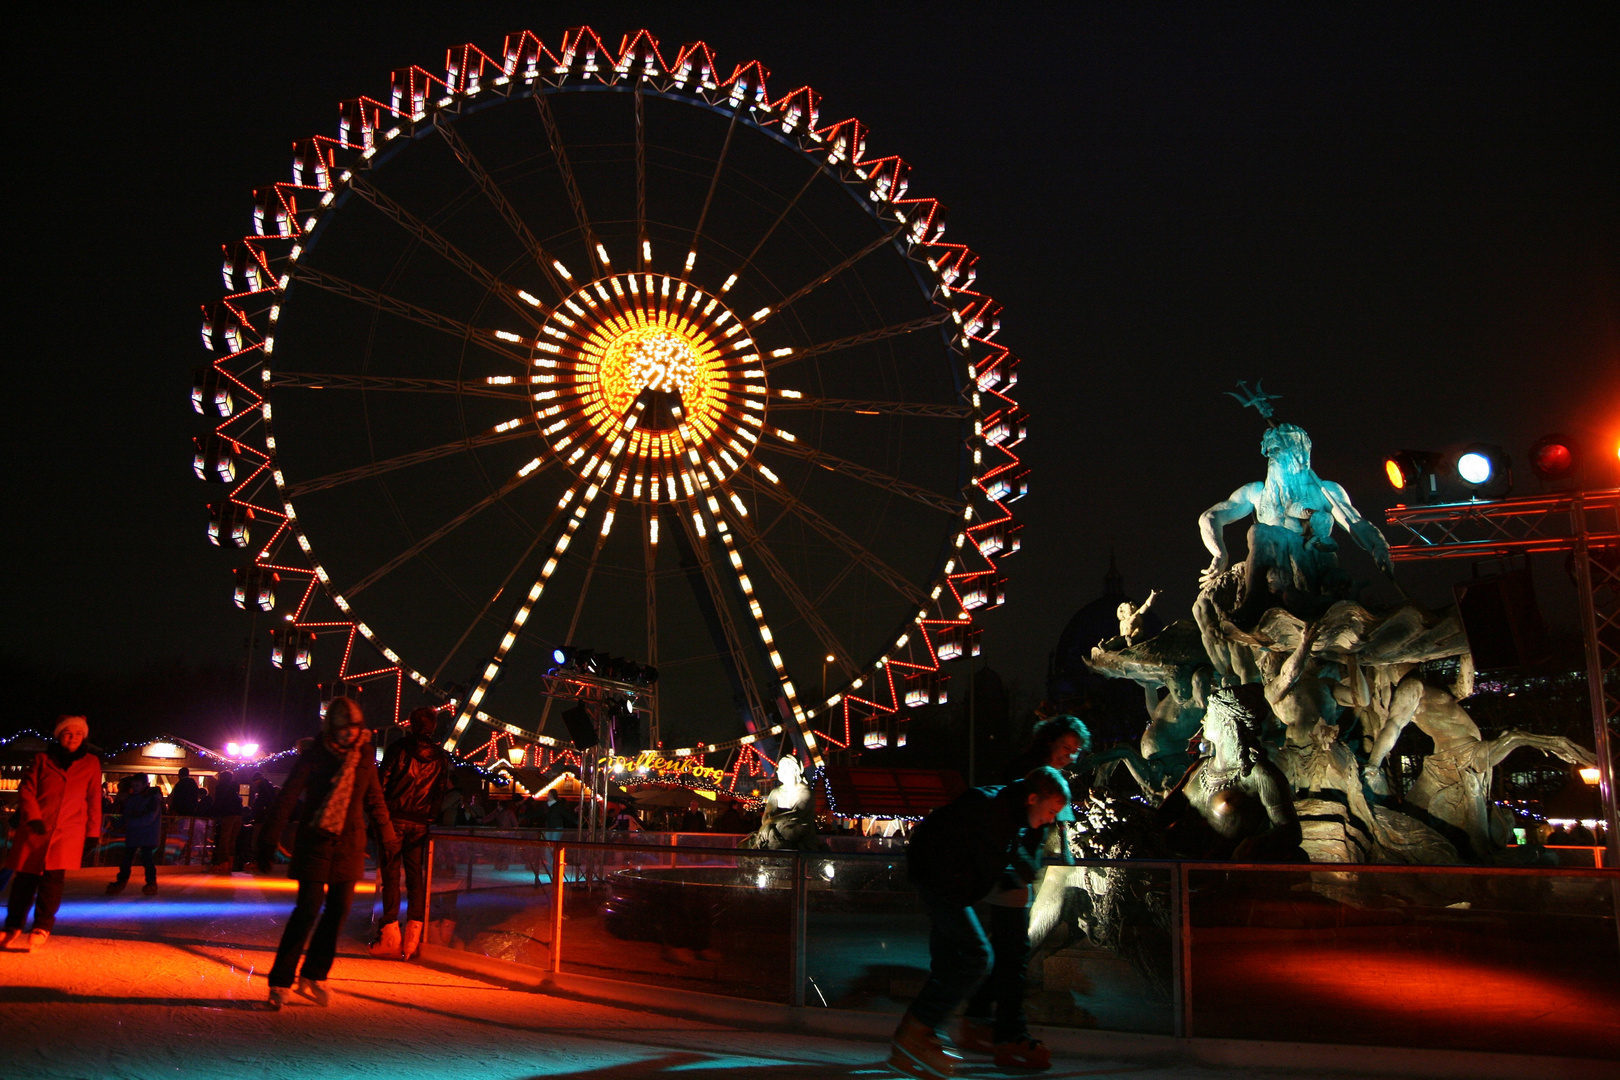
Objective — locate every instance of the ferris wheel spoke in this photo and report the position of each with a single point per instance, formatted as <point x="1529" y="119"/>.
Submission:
<point x="801" y="604"/>
<point x="417" y="457"/>
<point x="592" y="485"/>
<point x="314" y="380"/>
<point x="781" y="217"/>
<point x="828" y="275"/>
<point x="877" y="479"/>
<point x="864" y="337"/>
<point x="503" y="206"/>
<point x="421" y="545"/>
<point x="832" y="586"/>
<point x="579" y="607"/>
<point x="575" y="199"/>
<point x="714" y="182"/>
<point x="649" y="557"/>
<point x="484" y="339"/>
<point x="720" y="603"/>
<point x="641" y="180"/>
<point x="843" y="541"/>
<point x="483" y="613"/>
<point x="452" y="254"/>
<point x="767" y="638"/>
<point x="875" y="408"/>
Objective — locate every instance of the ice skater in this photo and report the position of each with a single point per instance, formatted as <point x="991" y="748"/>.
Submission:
<point x="336" y="777"/>
<point x="143" y="816"/>
<point x="415" y="776"/>
<point x="60" y="807"/>
<point x="993" y="1022"/>
<point x="987" y="841"/>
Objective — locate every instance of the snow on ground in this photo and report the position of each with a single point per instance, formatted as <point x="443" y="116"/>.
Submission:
<point x="174" y="986"/>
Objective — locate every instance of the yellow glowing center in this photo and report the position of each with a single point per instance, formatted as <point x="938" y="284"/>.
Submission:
<point x="616" y="338"/>
<point x="652" y="358"/>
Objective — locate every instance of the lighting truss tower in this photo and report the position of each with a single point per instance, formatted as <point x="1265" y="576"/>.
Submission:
<point x="1585" y="524"/>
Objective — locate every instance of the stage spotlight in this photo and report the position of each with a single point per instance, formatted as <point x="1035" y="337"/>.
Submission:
<point x="1556" y="460"/>
<point x="1474" y="468"/>
<point x="563" y="655"/>
<point x="1552" y="456"/>
<point x="1485" y="471"/>
<point x="1415" y="474"/>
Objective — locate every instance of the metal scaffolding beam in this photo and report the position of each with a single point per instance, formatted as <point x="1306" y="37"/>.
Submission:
<point x="1586" y="524"/>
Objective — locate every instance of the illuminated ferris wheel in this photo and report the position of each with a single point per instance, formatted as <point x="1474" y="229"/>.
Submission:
<point x="599" y="348"/>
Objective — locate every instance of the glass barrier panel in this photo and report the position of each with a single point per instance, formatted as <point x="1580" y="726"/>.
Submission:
<point x="716" y="921"/>
<point x="491" y="896"/>
<point x="866" y="943"/>
<point x="1100" y="942"/>
<point x="1465" y="958"/>
<point x="1102" y="950"/>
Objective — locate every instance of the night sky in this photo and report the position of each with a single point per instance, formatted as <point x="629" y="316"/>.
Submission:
<point x="1401" y="217"/>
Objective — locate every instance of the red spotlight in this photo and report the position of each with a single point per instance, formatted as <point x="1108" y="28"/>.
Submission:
<point x="1553" y="456"/>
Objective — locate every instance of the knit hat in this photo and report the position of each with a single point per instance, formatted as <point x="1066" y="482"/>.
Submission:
<point x="71" y="723"/>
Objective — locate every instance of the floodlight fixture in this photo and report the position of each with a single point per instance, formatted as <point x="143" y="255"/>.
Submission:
<point x="1415" y="474"/>
<point x="1485" y="470"/>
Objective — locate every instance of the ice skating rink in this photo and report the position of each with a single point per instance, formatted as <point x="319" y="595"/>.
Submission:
<point x="174" y="986"/>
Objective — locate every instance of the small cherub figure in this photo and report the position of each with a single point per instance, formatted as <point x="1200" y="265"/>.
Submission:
<point x="1132" y="618"/>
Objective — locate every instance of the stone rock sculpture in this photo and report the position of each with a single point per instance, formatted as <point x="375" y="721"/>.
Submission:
<point x="1454" y="786"/>
<point x="1243" y="798"/>
<point x="1292" y="560"/>
<point x="788" y="818"/>
<point x="1174" y="661"/>
<point x="1132" y="619"/>
<point x="1326" y="687"/>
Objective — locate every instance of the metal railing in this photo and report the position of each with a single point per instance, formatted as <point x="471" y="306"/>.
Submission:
<point x="1313" y="941"/>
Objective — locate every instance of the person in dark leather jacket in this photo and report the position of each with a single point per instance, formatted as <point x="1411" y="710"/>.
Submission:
<point x="415" y="775"/>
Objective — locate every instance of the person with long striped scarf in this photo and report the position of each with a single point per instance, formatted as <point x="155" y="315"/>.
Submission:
<point x="335" y="782"/>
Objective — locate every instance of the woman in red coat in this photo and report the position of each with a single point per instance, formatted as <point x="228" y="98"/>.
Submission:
<point x="61" y="809"/>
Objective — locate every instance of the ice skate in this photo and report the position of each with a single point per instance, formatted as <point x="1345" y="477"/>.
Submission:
<point x="149" y="889"/>
<point x="315" y="990"/>
<point x="278" y="998"/>
<point x="116" y="887"/>
<point x="38" y="939"/>
<point x="9" y="941"/>
<point x="413" y="939"/>
<point x="975" y="1035"/>
<point x="387" y="944"/>
<point x="1023" y="1052"/>
<point x="917" y="1051"/>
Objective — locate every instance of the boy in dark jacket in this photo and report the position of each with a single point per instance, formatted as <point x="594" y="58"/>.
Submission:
<point x="143" y="821"/>
<point x="988" y="840"/>
<point x="415" y="775"/>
